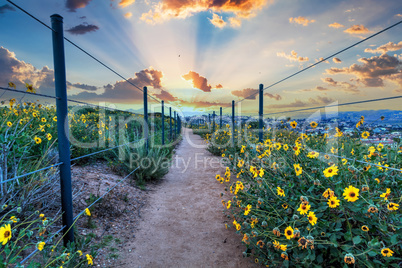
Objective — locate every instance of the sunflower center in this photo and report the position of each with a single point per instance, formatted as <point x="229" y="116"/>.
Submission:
<point x="6" y="234"/>
<point x="310" y="218"/>
<point x="330" y="170"/>
<point x="352" y="194"/>
<point x="289" y="232"/>
<point x="385" y="251"/>
<point x="332" y="202"/>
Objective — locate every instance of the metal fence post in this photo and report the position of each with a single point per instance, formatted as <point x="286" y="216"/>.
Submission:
<point x="233" y="123"/>
<point x="146" y="118"/>
<point x="170" y="122"/>
<point x="260" y="114"/>
<point x="163" y="123"/>
<point x="220" y="119"/>
<point x="62" y="127"/>
<point x="213" y="122"/>
<point x="175" y="124"/>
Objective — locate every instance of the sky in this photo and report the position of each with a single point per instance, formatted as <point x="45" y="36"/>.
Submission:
<point x="200" y="55"/>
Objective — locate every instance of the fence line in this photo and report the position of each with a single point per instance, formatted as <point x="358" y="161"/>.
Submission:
<point x="62" y="114"/>
<point x="30" y="93"/>
<point x="336" y="105"/>
<point x="364" y="162"/>
<point x="81" y="49"/>
<point x="97" y="200"/>
<point x="324" y="59"/>
<point x="30" y="173"/>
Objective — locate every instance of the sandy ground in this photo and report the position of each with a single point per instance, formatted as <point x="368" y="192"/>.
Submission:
<point x="183" y="223"/>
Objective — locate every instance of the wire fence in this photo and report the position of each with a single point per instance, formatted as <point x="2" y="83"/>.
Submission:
<point x="64" y="145"/>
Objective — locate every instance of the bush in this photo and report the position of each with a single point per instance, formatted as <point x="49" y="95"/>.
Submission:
<point x="296" y="205"/>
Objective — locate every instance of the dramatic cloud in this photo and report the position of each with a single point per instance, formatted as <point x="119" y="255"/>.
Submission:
<point x="72" y="5"/>
<point x="357" y="29"/>
<point x="126" y="3"/>
<point x="373" y="71"/>
<point x="5" y="8"/>
<point x="321" y="59"/>
<point x="251" y="94"/>
<point x="292" y="57"/>
<point x="19" y="72"/>
<point x="301" y="20"/>
<point x="343" y="86"/>
<point x="81" y="86"/>
<point x="128" y="15"/>
<point x="273" y="96"/>
<point x="385" y="48"/>
<point x="317" y="88"/>
<point x="173" y="9"/>
<point x="125" y="92"/>
<point x="247" y="93"/>
<point x="298" y="103"/>
<point x="198" y="81"/>
<point x="166" y="96"/>
<point x="83" y="29"/>
<point x="217" y="21"/>
<point x="337" y="60"/>
<point x="235" y="22"/>
<point x="336" y="25"/>
<point x="219" y="86"/>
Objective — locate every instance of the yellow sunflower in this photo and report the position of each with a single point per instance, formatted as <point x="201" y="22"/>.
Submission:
<point x="289" y="232"/>
<point x="5" y="234"/>
<point x="365" y="134"/>
<point x="298" y="169"/>
<point x="393" y="206"/>
<point x="331" y="171"/>
<point x="312" y="218"/>
<point x="280" y="191"/>
<point x="293" y="124"/>
<point x="386" y="194"/>
<point x="313" y="124"/>
<point x="365" y="228"/>
<point x="351" y="194"/>
<point x="333" y="202"/>
<point x="304" y="208"/>
<point x="386" y="252"/>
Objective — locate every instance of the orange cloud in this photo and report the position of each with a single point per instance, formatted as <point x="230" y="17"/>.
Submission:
<point x="235" y="22"/>
<point x="165" y="95"/>
<point x="390" y="46"/>
<point x="373" y="71"/>
<point x="168" y="9"/>
<point x="251" y="94"/>
<point x="126" y="3"/>
<point x="197" y="104"/>
<point x="337" y="60"/>
<point x="336" y="25"/>
<point x="321" y="59"/>
<point x="301" y="20"/>
<point x="219" y="86"/>
<point x="343" y="86"/>
<point x="72" y="5"/>
<point x="128" y="15"/>
<point x="357" y="29"/>
<point x="217" y="21"/>
<point x="124" y="92"/>
<point x="198" y="81"/>
<point x="319" y="100"/>
<point x="292" y="57"/>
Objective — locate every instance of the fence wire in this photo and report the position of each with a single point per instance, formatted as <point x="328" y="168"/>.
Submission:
<point x="29" y="93"/>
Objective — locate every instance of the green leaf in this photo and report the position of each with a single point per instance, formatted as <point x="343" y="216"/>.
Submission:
<point x="357" y="239"/>
<point x="394" y="239"/>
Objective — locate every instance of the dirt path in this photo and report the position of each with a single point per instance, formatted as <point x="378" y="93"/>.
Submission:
<point x="183" y="225"/>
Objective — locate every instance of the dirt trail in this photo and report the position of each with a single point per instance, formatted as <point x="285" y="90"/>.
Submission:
<point x="183" y="225"/>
